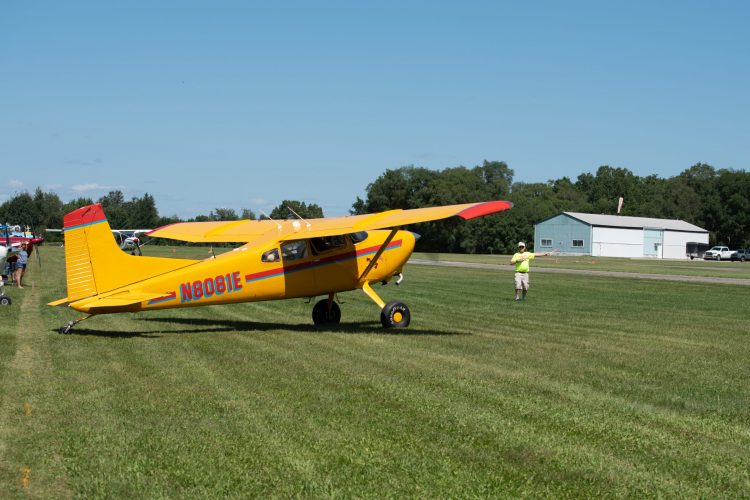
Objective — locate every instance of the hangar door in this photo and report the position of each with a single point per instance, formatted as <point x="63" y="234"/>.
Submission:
<point x="653" y="243"/>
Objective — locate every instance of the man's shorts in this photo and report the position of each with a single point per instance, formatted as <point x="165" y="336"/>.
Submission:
<point x="522" y="281"/>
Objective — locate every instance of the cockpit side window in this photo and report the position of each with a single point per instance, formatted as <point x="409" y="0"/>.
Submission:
<point x="293" y="250"/>
<point x="358" y="236"/>
<point x="271" y="255"/>
<point x="327" y="243"/>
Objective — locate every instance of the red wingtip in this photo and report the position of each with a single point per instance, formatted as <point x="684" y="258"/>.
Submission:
<point x="486" y="208"/>
<point x="84" y="215"/>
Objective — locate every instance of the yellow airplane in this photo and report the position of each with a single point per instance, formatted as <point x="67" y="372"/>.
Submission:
<point x="278" y="260"/>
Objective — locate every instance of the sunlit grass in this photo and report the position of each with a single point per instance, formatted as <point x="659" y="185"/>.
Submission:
<point x="592" y="387"/>
<point x="709" y="268"/>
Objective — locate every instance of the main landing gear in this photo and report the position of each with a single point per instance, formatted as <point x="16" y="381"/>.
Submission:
<point x="394" y="314"/>
<point x="326" y="312"/>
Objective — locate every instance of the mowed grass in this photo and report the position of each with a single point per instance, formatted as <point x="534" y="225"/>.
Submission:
<point x="591" y="387"/>
<point x="698" y="267"/>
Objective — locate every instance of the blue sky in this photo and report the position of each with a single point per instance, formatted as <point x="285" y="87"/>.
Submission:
<point x="243" y="104"/>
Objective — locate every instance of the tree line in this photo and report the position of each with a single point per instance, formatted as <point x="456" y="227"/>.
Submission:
<point x="717" y="200"/>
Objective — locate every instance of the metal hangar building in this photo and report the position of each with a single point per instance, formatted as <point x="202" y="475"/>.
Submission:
<point x="574" y="233"/>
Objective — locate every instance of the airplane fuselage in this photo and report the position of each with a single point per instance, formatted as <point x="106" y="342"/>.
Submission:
<point x="292" y="269"/>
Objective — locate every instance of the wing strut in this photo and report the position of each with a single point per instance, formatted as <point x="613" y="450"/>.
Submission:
<point x="378" y="254"/>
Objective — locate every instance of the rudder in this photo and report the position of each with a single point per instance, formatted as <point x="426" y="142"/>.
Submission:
<point x="94" y="262"/>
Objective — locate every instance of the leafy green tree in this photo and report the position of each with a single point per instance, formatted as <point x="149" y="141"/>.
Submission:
<point x="247" y="214"/>
<point x="417" y="187"/>
<point x="304" y="210"/>
<point x="20" y="209"/>
<point x="224" y="214"/>
<point x="115" y="208"/>
<point x="48" y="208"/>
<point x="142" y="213"/>
<point x="605" y="188"/>
<point x="734" y="192"/>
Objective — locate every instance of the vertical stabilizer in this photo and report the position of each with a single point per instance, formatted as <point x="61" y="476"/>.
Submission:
<point x="78" y="269"/>
<point x="94" y="262"/>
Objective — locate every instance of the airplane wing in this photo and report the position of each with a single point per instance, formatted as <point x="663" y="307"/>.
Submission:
<point x="257" y="232"/>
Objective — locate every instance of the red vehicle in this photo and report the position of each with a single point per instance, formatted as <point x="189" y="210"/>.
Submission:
<point x="13" y="236"/>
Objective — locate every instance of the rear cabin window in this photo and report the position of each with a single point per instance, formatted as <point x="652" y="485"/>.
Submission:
<point x="327" y="243"/>
<point x="293" y="250"/>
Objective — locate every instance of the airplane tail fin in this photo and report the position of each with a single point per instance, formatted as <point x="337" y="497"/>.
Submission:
<point x="95" y="264"/>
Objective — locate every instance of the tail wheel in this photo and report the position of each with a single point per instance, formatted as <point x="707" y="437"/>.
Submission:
<point x="395" y="315"/>
<point x="323" y="315"/>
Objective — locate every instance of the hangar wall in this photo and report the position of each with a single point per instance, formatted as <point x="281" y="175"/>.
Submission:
<point x="571" y="233"/>
<point x="558" y="233"/>
<point x="674" y="243"/>
<point x="616" y="242"/>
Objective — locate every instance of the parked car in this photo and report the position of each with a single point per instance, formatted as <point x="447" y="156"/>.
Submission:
<point x="718" y="253"/>
<point x="741" y="254"/>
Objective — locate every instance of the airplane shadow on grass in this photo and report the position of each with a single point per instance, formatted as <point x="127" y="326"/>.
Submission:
<point x="203" y="325"/>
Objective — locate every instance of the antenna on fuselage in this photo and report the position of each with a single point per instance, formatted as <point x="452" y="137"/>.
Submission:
<point x="300" y="218"/>
<point x="278" y="226"/>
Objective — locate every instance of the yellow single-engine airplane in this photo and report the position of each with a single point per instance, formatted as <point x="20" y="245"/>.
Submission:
<point x="278" y="260"/>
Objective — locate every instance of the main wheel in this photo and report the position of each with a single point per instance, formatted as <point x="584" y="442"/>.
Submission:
<point x="395" y="314"/>
<point x="323" y="316"/>
<point x="5" y="301"/>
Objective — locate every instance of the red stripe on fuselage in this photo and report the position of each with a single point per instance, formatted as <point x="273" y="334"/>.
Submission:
<point x="164" y="298"/>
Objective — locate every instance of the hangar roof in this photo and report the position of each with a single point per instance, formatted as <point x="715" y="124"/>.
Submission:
<point x="635" y="222"/>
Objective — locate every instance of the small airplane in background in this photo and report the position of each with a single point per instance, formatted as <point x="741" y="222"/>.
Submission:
<point x="277" y="260"/>
<point x="129" y="240"/>
<point x="12" y="236"/>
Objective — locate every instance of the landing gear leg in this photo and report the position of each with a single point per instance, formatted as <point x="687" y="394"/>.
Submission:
<point x="327" y="312"/>
<point x="394" y="314"/>
<point x="67" y="328"/>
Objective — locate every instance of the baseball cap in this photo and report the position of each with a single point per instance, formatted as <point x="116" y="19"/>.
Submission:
<point x="521" y="244"/>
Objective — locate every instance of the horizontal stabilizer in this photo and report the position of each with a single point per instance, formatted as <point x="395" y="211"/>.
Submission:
<point x="121" y="299"/>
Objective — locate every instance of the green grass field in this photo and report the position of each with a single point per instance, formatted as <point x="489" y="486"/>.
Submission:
<point x="592" y="387"/>
<point x="724" y="269"/>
